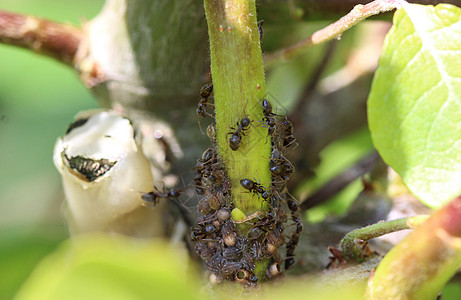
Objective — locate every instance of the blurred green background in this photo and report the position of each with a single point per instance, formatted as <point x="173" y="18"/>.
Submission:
<point x="38" y="99"/>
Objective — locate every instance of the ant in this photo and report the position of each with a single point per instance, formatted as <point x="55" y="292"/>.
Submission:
<point x="293" y="242"/>
<point x="269" y="117"/>
<point x="260" y="29"/>
<point x="236" y="135"/>
<point x="205" y="93"/>
<point x="255" y="187"/>
<point x="280" y="166"/>
<point x="288" y="138"/>
<point x="152" y="197"/>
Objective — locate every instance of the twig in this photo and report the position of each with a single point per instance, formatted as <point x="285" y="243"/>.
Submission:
<point x="350" y="244"/>
<point x="342" y="180"/>
<point x="422" y="263"/>
<point x="357" y="14"/>
<point x="314" y="10"/>
<point x="45" y="37"/>
<point x="310" y="88"/>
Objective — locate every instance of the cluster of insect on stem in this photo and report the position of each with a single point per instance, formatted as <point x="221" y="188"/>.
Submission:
<point x="229" y="248"/>
<point x="280" y="132"/>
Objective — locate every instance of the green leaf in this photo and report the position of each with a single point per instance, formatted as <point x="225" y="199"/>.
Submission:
<point x="106" y="267"/>
<point x="414" y="107"/>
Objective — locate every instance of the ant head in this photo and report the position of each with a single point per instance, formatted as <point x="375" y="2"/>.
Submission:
<point x="267" y="107"/>
<point x="175" y="193"/>
<point x="245" y="122"/>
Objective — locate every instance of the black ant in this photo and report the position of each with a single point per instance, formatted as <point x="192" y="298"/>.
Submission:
<point x="293" y="242"/>
<point x="288" y="138"/>
<point x="260" y="29"/>
<point x="269" y="117"/>
<point x="152" y="197"/>
<point x="236" y="135"/>
<point x="280" y="166"/>
<point x="205" y="93"/>
<point x="255" y="187"/>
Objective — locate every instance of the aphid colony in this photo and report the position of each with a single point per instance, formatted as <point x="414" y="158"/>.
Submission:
<point x="228" y="255"/>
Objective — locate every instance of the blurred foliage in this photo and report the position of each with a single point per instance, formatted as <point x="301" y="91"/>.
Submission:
<point x="20" y="250"/>
<point x="286" y="81"/>
<point x="118" y="268"/>
<point x="335" y="158"/>
<point x="38" y="99"/>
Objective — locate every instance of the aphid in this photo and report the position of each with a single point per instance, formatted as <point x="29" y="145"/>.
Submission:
<point x="248" y="261"/>
<point x="260" y="28"/>
<point x="209" y="155"/>
<point x="273" y="270"/>
<point x="236" y="135"/>
<point x="254" y="233"/>
<point x="216" y="201"/>
<point x="215" y="263"/>
<point x="204" y="251"/>
<point x="206" y="90"/>
<point x="211" y="133"/>
<point x="230" y="267"/>
<point x="245" y="277"/>
<point x="232" y="253"/>
<point x="256" y="249"/>
<point x="204" y="206"/>
<point x="223" y="214"/>
<point x="270" y="248"/>
<point x="254" y="187"/>
<point x="230" y="239"/>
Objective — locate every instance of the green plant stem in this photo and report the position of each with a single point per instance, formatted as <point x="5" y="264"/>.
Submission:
<point x="239" y="86"/>
<point x="421" y="264"/>
<point x="350" y="247"/>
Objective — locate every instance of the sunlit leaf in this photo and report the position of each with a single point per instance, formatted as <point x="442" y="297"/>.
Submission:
<point x="104" y="267"/>
<point x="414" y="107"/>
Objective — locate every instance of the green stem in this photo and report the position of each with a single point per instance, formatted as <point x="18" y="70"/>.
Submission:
<point x="350" y="247"/>
<point x="239" y="87"/>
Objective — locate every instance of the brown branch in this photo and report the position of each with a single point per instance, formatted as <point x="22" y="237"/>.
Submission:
<point x="41" y="36"/>
<point x="283" y="12"/>
<point x="356" y="15"/>
<point x="342" y="180"/>
<point x="300" y="106"/>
